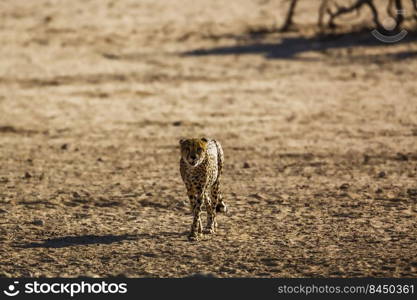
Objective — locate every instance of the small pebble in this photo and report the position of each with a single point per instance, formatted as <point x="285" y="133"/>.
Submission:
<point x="401" y="156"/>
<point x="344" y="186"/>
<point x="37" y="222"/>
<point x="412" y="192"/>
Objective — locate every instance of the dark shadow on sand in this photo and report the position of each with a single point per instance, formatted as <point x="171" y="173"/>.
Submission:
<point x="69" y="241"/>
<point x="290" y="47"/>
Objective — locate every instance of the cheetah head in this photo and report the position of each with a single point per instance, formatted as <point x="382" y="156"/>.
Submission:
<point x="193" y="151"/>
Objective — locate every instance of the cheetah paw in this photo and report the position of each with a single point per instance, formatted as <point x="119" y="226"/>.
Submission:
<point x="193" y="237"/>
<point x="209" y="231"/>
<point x="222" y="207"/>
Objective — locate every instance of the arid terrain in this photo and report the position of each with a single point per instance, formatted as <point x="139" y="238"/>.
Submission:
<point x="319" y="135"/>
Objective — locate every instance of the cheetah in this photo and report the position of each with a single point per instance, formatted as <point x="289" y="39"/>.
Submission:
<point x="201" y="166"/>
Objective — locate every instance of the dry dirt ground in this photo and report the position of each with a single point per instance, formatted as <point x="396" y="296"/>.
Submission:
<point x="319" y="135"/>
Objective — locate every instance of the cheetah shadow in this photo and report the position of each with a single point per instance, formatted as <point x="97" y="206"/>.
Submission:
<point x="69" y="241"/>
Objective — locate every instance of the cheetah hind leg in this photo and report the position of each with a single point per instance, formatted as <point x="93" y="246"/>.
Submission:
<point x="217" y="195"/>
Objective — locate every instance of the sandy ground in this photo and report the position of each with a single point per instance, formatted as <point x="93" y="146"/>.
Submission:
<point x="319" y="135"/>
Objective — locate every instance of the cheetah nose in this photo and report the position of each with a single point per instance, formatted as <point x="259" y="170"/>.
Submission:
<point x="193" y="157"/>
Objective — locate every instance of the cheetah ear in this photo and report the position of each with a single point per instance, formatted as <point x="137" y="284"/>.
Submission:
<point x="204" y="139"/>
<point x="182" y="141"/>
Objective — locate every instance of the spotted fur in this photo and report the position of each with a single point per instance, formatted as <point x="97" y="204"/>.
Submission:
<point x="201" y="166"/>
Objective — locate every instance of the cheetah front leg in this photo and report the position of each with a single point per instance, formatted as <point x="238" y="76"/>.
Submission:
<point x="211" y="215"/>
<point x="193" y="201"/>
<point x="196" y="226"/>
